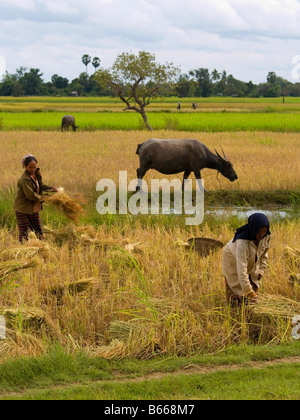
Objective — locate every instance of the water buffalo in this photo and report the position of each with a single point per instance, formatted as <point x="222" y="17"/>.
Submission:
<point x="174" y="156"/>
<point x="67" y="121"/>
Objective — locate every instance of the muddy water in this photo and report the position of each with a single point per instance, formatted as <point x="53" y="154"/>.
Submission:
<point x="273" y="213"/>
<point x="245" y="212"/>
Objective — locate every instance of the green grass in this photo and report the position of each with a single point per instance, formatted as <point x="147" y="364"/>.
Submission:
<point x="275" y="200"/>
<point x="272" y="383"/>
<point x="195" y="122"/>
<point x="59" y="375"/>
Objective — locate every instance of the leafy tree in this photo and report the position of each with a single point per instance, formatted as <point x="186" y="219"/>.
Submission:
<point x="59" y="82"/>
<point x="7" y="85"/>
<point x="185" y="87"/>
<point x="137" y="79"/>
<point x="276" y="86"/>
<point x="205" y="86"/>
<point x="17" y="90"/>
<point x="20" y="72"/>
<point x="32" y="82"/>
<point x="271" y="78"/>
<point x="86" y="59"/>
<point x="235" y="87"/>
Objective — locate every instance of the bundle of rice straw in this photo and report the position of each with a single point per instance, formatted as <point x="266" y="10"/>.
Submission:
<point x="10" y="266"/>
<point x="64" y="203"/>
<point x="275" y="306"/>
<point x="27" y="251"/>
<point x="32" y="316"/>
<point x="120" y="330"/>
<point x="292" y="256"/>
<point x="76" y="234"/>
<point x="74" y="287"/>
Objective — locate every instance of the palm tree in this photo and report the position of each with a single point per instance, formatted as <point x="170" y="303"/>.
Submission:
<point x="96" y="62"/>
<point x="224" y="75"/>
<point x="86" y="59"/>
<point x="215" y="75"/>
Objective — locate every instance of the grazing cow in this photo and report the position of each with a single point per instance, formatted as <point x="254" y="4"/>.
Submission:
<point x="174" y="156"/>
<point x="67" y="121"/>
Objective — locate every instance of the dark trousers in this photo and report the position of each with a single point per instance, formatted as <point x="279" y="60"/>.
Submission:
<point x="27" y="222"/>
<point x="235" y="300"/>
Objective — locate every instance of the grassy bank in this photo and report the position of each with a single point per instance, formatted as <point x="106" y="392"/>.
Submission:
<point x="275" y="202"/>
<point x="76" y="375"/>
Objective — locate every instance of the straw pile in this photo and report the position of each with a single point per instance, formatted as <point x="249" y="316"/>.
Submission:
<point x="67" y="205"/>
<point x="292" y="256"/>
<point x="83" y="235"/>
<point x="72" y="288"/>
<point x="11" y="266"/>
<point x="28" y="251"/>
<point x="120" y="330"/>
<point x="34" y="317"/>
<point x="275" y="306"/>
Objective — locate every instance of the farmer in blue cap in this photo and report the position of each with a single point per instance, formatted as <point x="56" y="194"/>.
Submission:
<point x="245" y="259"/>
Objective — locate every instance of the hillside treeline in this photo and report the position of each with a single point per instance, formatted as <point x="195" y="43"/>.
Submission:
<point x="197" y="83"/>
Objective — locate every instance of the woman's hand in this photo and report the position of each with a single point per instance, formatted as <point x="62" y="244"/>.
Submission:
<point x="251" y="295"/>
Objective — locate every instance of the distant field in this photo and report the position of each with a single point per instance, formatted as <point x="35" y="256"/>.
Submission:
<point x="98" y="104"/>
<point x="105" y="99"/>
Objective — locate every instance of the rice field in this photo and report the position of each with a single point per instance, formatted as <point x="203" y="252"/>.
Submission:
<point x="130" y="287"/>
<point x="134" y="293"/>
<point x="211" y="115"/>
<point x="264" y="161"/>
<point x="186" y="121"/>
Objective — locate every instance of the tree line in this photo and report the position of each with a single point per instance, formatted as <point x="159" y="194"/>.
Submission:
<point x="199" y="82"/>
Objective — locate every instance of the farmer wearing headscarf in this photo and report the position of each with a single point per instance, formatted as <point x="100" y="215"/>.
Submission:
<point x="29" y="199"/>
<point x="245" y="259"/>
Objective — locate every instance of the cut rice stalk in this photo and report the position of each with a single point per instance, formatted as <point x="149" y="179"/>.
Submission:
<point x="32" y="316"/>
<point x="275" y="306"/>
<point x="67" y="205"/>
<point x="73" y="287"/>
<point x="27" y="251"/>
<point x="10" y="266"/>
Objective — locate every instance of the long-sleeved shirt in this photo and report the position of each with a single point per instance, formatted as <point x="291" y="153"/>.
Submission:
<point x="241" y="259"/>
<point x="28" y="193"/>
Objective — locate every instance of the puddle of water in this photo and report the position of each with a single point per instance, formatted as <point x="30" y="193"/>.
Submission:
<point x="242" y="212"/>
<point x="245" y="212"/>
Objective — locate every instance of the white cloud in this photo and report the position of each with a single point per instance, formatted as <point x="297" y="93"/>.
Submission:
<point x="248" y="38"/>
<point x="59" y="7"/>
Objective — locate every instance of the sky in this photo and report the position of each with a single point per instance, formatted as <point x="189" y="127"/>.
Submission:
<point x="247" y="38"/>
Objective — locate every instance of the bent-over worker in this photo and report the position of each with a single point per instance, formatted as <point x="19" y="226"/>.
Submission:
<point x="245" y="259"/>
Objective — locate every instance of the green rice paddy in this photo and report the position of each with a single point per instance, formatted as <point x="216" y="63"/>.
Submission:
<point x="201" y="121"/>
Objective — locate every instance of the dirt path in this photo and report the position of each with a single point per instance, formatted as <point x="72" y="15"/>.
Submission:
<point x="202" y="370"/>
<point x="188" y="370"/>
